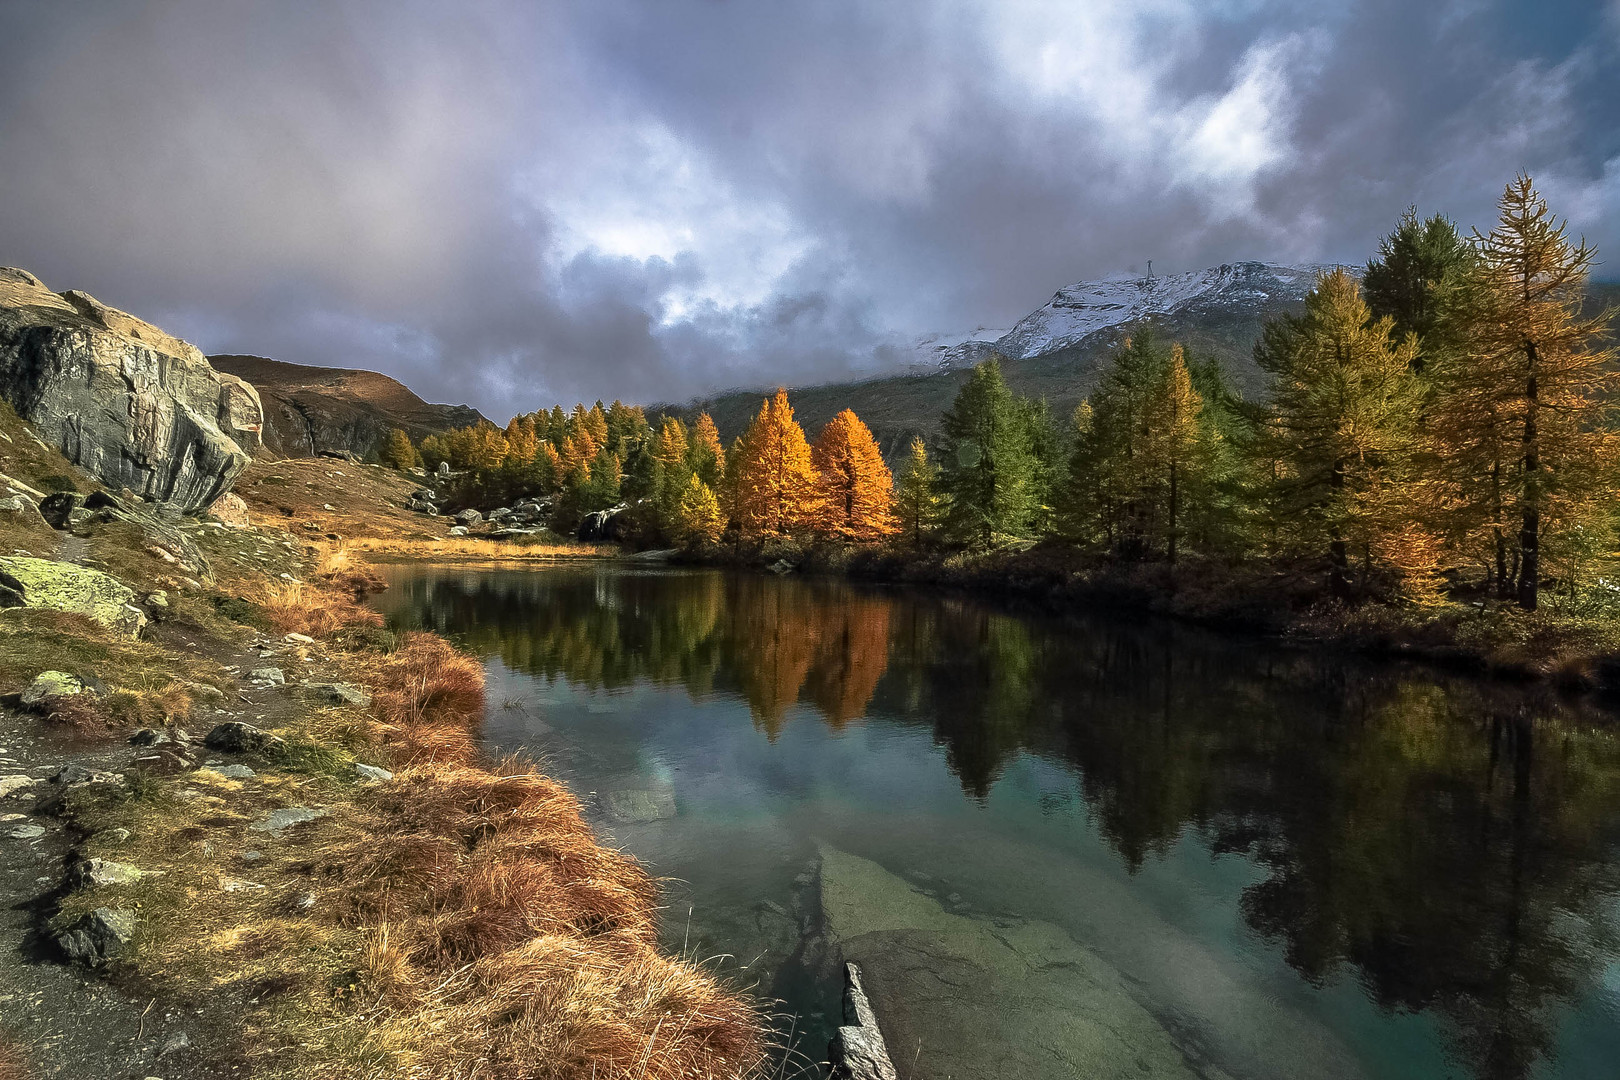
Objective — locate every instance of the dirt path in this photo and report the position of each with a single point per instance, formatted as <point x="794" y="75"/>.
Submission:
<point x="69" y="1020"/>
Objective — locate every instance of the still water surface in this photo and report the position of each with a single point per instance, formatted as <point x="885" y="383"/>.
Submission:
<point x="1067" y="848"/>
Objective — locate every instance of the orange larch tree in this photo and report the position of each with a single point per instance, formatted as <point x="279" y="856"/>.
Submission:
<point x="854" y="490"/>
<point x="775" y="482"/>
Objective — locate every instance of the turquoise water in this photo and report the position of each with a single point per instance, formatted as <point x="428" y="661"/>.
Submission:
<point x="1079" y="847"/>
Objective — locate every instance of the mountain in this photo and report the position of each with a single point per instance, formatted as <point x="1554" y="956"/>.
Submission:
<point x="1056" y="351"/>
<point x="308" y="410"/>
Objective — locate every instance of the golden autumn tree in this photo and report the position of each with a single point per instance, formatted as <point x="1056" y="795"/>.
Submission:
<point x="854" y="491"/>
<point x="775" y="482"/>
<point x="916" y="497"/>
<point x="1524" y="409"/>
<point x="1172" y="440"/>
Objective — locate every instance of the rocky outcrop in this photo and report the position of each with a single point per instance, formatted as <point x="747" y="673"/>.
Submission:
<point x="314" y="411"/>
<point x="60" y="586"/>
<point x="857" y="1051"/>
<point x="134" y="406"/>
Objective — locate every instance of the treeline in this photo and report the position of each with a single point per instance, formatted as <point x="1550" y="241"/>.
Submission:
<point x="1446" y="422"/>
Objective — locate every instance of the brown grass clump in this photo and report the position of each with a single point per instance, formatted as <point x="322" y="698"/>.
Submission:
<point x="306" y="608"/>
<point x="430" y="698"/>
<point x="509" y="943"/>
<point x="12" y="1065"/>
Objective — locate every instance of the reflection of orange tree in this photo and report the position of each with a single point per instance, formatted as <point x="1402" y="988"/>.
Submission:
<point x="773" y="636"/>
<point x="850" y="658"/>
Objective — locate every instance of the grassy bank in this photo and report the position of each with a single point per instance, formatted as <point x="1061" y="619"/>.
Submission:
<point x="371" y="896"/>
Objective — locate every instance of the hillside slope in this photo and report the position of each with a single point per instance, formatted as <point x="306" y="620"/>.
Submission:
<point x="310" y="409"/>
<point x="1056" y="351"/>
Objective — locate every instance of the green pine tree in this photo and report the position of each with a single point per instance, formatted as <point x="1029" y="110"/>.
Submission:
<point x="987" y="467"/>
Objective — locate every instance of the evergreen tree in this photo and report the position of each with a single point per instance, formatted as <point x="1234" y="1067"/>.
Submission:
<point x="704" y="454"/>
<point x="916" y="497"/>
<point x="854" y="491"/>
<point x="1173" y="443"/>
<point x="1416" y="279"/>
<point x="987" y="472"/>
<point x="1342" y="428"/>
<point x="698" y="518"/>
<point x="775" y="492"/>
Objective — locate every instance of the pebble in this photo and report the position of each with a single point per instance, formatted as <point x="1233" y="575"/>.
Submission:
<point x="285" y="818"/>
<point x="10" y="785"/>
<point x="372" y="772"/>
<point x="230" y="772"/>
<point x="25" y="832"/>
<point x="272" y="675"/>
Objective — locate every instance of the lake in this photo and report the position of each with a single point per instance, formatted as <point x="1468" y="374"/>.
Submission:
<point x="1085" y="847"/>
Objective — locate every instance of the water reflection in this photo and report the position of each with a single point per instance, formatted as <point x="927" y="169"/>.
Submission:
<point x="1449" y="844"/>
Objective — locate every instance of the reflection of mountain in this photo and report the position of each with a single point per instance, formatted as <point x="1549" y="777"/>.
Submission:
<point x="1450" y="844"/>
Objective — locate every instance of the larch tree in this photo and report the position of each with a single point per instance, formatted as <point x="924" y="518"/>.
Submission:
<point x="1173" y="442"/>
<point x="854" y="494"/>
<point x="986" y="471"/>
<point x="705" y="455"/>
<point x="916" y="500"/>
<point x="1343" y="428"/>
<point x="397" y="451"/>
<point x="1529" y="404"/>
<point x="698" y="517"/>
<point x="775" y="481"/>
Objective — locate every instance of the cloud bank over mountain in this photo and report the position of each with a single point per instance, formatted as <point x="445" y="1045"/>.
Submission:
<point x="510" y="204"/>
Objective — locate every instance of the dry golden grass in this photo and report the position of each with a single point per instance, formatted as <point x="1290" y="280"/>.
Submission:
<point x="12" y="1066"/>
<point x="450" y="549"/>
<point x="463" y="922"/>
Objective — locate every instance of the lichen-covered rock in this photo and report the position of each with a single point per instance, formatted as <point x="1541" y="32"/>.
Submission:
<point x="50" y="685"/>
<point x="134" y="406"/>
<point x="60" y="586"/>
<point x="236" y="737"/>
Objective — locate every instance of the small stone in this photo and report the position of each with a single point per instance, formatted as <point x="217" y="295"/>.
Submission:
<point x="95" y="873"/>
<point x="340" y="693"/>
<point x="25" y="832"/>
<point x="459" y="530"/>
<point x="230" y="772"/>
<point x="74" y="775"/>
<point x="158" y="599"/>
<point x="285" y="818"/>
<point x="272" y="675"/>
<point x="175" y="1043"/>
<point x="251" y="856"/>
<point x="298" y="639"/>
<point x="98" y="936"/>
<point x="150" y="737"/>
<point x="10" y="785"/>
<point x="230" y="884"/>
<point x="236" y="737"/>
<point x="372" y="772"/>
<point x="115" y="835"/>
<point x="469" y="517"/>
<point x="53" y="684"/>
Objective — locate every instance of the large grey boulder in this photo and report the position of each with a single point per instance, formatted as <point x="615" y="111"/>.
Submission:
<point x="61" y="586"/>
<point x="120" y="398"/>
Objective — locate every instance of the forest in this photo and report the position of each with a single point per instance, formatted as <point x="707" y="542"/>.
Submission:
<point x="1440" y="425"/>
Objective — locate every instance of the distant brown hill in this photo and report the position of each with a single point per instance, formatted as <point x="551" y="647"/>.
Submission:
<point x="311" y="409"/>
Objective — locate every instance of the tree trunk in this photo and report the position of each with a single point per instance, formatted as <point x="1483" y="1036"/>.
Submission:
<point x="1338" y="554"/>
<point x="1173" y="492"/>
<point x="1530" y="529"/>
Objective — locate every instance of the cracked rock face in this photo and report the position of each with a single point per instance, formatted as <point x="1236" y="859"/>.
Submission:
<point x="134" y="406"/>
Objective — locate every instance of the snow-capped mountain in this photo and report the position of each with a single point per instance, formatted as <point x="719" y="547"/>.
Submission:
<point x="1079" y="311"/>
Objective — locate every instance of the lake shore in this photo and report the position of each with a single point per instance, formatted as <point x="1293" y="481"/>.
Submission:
<point x="284" y="849"/>
<point x="1281" y="602"/>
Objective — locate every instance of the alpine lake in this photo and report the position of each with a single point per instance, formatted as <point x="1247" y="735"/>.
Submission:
<point x="1078" y="847"/>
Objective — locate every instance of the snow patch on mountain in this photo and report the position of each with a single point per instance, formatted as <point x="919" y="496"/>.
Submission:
<point x="1089" y="307"/>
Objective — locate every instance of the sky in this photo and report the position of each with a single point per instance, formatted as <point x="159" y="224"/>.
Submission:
<point x="513" y="204"/>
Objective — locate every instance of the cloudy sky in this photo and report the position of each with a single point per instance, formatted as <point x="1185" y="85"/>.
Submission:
<point x="511" y="204"/>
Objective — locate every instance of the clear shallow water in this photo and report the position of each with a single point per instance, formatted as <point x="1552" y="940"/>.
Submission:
<point x="1074" y="848"/>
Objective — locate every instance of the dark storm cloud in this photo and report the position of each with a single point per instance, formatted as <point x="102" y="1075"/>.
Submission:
<point x="508" y="203"/>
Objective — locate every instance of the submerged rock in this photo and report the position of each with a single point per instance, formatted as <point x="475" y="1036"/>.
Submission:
<point x="639" y="807"/>
<point x="134" y="406"/>
<point x="60" y="586"/>
<point x="1015" y="998"/>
